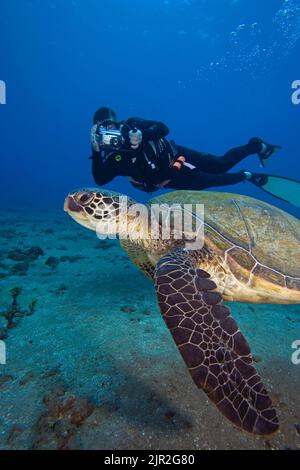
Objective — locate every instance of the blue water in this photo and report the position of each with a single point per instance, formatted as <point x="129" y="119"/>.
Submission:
<point x="216" y="71"/>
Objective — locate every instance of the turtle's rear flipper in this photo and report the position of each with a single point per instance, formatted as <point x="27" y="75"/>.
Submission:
<point x="211" y="344"/>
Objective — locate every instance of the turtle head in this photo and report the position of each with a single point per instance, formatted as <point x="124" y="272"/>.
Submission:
<point x="96" y="209"/>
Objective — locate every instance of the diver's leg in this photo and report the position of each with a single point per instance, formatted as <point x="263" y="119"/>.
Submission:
<point x="213" y="164"/>
<point x="197" y="180"/>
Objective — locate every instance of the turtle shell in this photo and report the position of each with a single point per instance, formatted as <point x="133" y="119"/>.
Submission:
<point x="251" y="235"/>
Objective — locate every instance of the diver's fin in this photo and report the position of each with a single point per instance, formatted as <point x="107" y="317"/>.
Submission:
<point x="267" y="150"/>
<point x="271" y="149"/>
<point x="283" y="188"/>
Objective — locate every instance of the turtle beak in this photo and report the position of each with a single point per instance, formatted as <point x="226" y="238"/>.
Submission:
<point x="77" y="213"/>
<point x="70" y="205"/>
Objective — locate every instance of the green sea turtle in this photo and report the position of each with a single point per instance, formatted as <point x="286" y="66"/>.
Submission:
<point x="251" y="253"/>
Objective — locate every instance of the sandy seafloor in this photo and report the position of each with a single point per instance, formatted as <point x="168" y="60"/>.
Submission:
<point x="95" y="368"/>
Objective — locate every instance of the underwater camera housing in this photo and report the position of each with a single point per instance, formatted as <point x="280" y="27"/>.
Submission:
<point x="111" y="138"/>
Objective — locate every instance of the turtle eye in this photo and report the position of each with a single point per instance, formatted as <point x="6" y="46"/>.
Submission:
<point x="85" y="198"/>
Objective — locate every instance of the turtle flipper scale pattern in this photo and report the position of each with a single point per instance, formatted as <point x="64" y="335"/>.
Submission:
<point x="211" y="344"/>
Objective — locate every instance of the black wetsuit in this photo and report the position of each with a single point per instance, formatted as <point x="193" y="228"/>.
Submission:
<point x="150" y="166"/>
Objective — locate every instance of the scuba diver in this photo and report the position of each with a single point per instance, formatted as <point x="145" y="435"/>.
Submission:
<point x="138" y="148"/>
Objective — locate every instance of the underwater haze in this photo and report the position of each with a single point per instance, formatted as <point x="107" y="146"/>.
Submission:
<point x="216" y="72"/>
<point x="89" y="362"/>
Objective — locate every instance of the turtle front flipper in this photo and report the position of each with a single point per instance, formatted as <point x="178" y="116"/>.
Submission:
<point x="211" y="344"/>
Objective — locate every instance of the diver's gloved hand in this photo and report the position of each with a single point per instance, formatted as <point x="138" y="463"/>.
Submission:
<point x="265" y="150"/>
<point x="136" y="138"/>
<point x="94" y="138"/>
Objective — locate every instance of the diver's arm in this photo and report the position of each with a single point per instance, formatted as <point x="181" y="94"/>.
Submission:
<point x="152" y="130"/>
<point x="103" y="172"/>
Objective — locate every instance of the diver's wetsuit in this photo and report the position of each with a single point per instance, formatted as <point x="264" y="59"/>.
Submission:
<point x="150" y="166"/>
